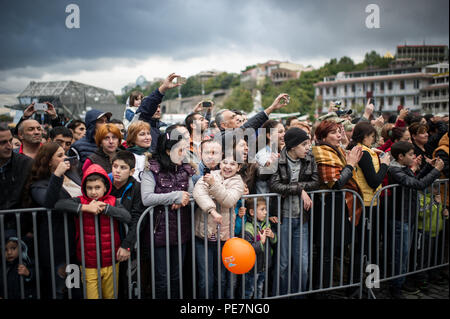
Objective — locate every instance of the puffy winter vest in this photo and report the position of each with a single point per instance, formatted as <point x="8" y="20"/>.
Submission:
<point x="366" y="190"/>
<point x="167" y="182"/>
<point x="105" y="240"/>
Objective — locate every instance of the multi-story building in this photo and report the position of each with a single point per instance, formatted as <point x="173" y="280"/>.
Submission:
<point x="277" y="71"/>
<point x="422" y="54"/>
<point x="434" y="96"/>
<point x="390" y="87"/>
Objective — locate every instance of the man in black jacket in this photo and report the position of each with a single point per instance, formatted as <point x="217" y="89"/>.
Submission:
<point x="14" y="171"/>
<point x="405" y="205"/>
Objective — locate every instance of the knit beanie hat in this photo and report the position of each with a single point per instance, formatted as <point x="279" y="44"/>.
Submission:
<point x="294" y="136"/>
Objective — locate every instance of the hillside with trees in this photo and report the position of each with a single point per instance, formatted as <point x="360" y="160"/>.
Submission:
<point x="301" y="90"/>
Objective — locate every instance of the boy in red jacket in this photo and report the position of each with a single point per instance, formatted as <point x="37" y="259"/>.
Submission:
<point x="96" y="206"/>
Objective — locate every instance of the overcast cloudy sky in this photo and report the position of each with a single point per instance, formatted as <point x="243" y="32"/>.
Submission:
<point x="119" y="40"/>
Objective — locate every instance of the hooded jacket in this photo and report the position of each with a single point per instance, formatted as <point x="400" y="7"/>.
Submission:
<point x="12" y="276"/>
<point x="226" y="193"/>
<point x="113" y="209"/>
<point x="86" y="145"/>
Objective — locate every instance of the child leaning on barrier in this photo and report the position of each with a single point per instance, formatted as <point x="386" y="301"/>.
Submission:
<point x="226" y="187"/>
<point x="14" y="270"/>
<point x="296" y="174"/>
<point x="257" y="216"/>
<point x="128" y="190"/>
<point x="405" y="206"/>
<point x="96" y="200"/>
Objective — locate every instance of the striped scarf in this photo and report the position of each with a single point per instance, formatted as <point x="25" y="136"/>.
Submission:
<point x="330" y="162"/>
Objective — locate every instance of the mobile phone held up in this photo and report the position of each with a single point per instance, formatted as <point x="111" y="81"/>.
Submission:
<point x="180" y="80"/>
<point x="286" y="99"/>
<point x="206" y="104"/>
<point x="40" y="107"/>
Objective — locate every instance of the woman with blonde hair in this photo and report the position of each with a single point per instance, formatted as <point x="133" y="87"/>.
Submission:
<point x="107" y="138"/>
<point x="139" y="140"/>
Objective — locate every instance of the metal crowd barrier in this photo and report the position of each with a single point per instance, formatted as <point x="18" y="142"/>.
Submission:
<point x="350" y="252"/>
<point x="418" y="246"/>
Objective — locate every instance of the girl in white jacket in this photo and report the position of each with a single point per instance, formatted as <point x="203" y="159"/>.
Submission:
<point x="216" y="194"/>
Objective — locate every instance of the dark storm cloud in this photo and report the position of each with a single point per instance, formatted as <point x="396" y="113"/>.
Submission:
<point x="33" y="33"/>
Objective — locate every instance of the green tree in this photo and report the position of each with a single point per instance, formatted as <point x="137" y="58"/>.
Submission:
<point x="240" y="99"/>
<point x="374" y="60"/>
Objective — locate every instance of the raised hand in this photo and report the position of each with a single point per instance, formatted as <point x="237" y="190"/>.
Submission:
<point x="51" y="110"/>
<point x="277" y="104"/>
<point x="29" y="111"/>
<point x="354" y="156"/>
<point x="168" y="84"/>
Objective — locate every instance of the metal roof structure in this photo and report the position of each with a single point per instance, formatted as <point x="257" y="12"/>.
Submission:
<point x="70" y="98"/>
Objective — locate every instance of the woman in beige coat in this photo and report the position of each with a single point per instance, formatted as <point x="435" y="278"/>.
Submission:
<point x="216" y="194"/>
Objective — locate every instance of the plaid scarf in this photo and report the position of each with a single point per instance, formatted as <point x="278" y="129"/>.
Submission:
<point x="330" y="162"/>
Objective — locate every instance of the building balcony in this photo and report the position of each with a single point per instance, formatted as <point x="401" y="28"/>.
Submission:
<point x="434" y="99"/>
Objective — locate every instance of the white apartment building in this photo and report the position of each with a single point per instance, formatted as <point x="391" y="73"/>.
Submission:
<point x="434" y="97"/>
<point x="390" y="87"/>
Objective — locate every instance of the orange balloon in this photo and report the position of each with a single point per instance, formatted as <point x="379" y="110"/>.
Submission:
<point x="238" y="255"/>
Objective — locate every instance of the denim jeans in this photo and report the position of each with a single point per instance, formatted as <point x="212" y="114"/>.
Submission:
<point x="401" y="248"/>
<point x="250" y="279"/>
<point x="161" y="288"/>
<point x="295" y="258"/>
<point x="211" y="272"/>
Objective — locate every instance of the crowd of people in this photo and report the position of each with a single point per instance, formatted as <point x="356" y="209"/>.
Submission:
<point x="104" y="169"/>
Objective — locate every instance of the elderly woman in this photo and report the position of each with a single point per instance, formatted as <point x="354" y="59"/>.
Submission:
<point x="107" y="138"/>
<point x="335" y="168"/>
<point x="139" y="140"/>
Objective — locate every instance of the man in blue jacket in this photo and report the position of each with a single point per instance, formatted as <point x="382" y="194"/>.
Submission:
<point x="86" y="145"/>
